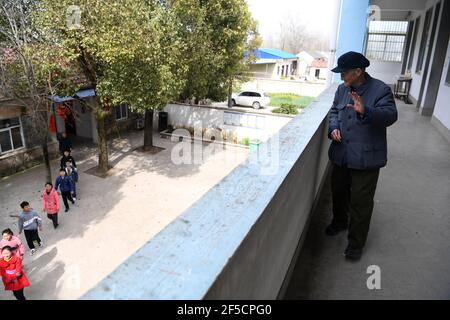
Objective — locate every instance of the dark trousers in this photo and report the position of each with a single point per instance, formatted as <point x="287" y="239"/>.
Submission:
<point x="353" y="192"/>
<point x="31" y="236"/>
<point x="54" y="218"/>
<point x="19" y="294"/>
<point x="66" y="195"/>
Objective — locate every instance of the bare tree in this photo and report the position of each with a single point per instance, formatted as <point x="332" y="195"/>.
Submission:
<point x="22" y="77"/>
<point x="294" y="36"/>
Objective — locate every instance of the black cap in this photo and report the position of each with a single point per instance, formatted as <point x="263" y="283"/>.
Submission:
<point x="351" y="60"/>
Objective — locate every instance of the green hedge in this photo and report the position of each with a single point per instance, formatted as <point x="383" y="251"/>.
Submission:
<point x="286" y="109"/>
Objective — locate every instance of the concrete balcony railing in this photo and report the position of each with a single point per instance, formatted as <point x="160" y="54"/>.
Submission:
<point x="239" y="240"/>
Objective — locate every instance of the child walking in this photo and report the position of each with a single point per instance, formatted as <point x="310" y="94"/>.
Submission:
<point x="50" y="203"/>
<point x="10" y="240"/>
<point x="12" y="274"/>
<point x="72" y="172"/>
<point x="67" y="157"/>
<point x="66" y="185"/>
<point x="30" y="221"/>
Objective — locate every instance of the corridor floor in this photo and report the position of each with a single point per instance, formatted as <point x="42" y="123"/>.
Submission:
<point x="409" y="239"/>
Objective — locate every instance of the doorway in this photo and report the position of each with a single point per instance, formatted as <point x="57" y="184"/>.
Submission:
<point x="424" y="65"/>
<point x="443" y="33"/>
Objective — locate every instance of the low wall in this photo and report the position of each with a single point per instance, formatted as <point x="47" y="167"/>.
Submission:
<point x="231" y="122"/>
<point x="238" y="241"/>
<point x="285" y="86"/>
<point x="20" y="160"/>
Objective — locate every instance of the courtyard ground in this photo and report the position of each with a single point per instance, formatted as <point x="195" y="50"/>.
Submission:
<point x="114" y="216"/>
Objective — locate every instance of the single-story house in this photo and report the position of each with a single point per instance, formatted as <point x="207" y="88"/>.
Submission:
<point x="74" y="116"/>
<point x="19" y="150"/>
<point x="273" y="64"/>
<point x="312" y="65"/>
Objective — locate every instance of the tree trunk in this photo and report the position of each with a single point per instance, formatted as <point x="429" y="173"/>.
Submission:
<point x="102" y="144"/>
<point x="148" y="131"/>
<point x="230" y="93"/>
<point x="48" y="169"/>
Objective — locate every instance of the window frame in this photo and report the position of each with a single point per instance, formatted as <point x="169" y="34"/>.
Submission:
<point x="20" y="126"/>
<point x="447" y="77"/>
<point x="120" y="108"/>
<point x="317" y="73"/>
<point x="385" y="41"/>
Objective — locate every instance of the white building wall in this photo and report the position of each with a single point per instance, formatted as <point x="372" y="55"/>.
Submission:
<point x="323" y="72"/>
<point x="301" y="88"/>
<point x="385" y="70"/>
<point x="83" y="120"/>
<point x="264" y="70"/>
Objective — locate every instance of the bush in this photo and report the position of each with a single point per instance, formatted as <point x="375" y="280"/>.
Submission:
<point x="286" y="109"/>
<point x="277" y="99"/>
<point x="245" y="141"/>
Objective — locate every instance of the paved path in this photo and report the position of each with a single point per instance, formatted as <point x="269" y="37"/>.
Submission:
<point x="114" y="216"/>
<point x="409" y="237"/>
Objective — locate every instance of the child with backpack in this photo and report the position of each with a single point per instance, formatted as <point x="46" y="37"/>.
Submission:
<point x="67" y="157"/>
<point x="72" y="172"/>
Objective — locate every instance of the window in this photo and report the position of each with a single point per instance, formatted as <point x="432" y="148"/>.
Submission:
<point x="386" y="40"/>
<point x="447" y="78"/>
<point x="423" y="41"/>
<point x="11" y="136"/>
<point x="245" y="94"/>
<point x="122" y="111"/>
<point x="278" y="70"/>
<point x="317" y="73"/>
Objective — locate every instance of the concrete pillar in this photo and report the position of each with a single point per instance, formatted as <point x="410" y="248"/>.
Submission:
<point x="333" y="40"/>
<point x="352" y="28"/>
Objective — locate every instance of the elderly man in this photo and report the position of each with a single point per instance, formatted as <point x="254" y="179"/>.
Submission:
<point x="363" y="108"/>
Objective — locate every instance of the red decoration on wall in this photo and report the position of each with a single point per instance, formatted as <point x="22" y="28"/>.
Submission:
<point x="63" y="111"/>
<point x="52" y="125"/>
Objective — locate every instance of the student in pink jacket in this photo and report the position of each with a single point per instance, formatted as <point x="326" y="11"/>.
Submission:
<point x="50" y="203"/>
<point x="10" y="240"/>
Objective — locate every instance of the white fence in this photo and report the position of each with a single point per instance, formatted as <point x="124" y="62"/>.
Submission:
<point x="231" y="122"/>
<point x="285" y="86"/>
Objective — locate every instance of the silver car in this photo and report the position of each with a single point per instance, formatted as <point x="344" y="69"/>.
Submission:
<point x="255" y="99"/>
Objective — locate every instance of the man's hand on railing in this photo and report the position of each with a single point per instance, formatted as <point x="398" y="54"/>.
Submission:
<point x="336" y="135"/>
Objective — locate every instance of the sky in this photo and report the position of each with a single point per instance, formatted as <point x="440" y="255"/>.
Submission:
<point x="317" y="14"/>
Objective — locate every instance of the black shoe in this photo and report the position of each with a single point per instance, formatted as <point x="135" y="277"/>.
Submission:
<point x="353" y="253"/>
<point x="67" y="209"/>
<point x="333" y="229"/>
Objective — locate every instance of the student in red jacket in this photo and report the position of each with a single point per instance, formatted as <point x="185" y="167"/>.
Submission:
<point x="12" y="274"/>
<point x="50" y="203"/>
